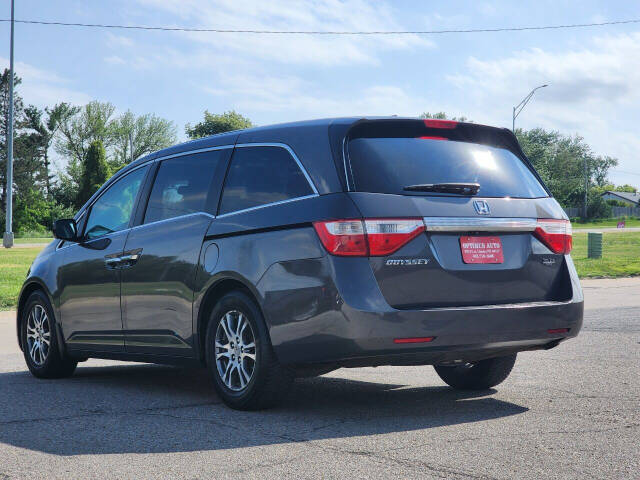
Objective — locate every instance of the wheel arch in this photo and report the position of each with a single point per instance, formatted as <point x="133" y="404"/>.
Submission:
<point x="32" y="285"/>
<point x="212" y="295"/>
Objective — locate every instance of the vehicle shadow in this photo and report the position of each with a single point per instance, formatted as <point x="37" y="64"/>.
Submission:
<point x="158" y="409"/>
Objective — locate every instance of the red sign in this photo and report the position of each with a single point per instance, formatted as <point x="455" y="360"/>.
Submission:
<point x="481" y="250"/>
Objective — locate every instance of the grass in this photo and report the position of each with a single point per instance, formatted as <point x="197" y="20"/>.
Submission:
<point x="14" y="264"/>
<point x="620" y="255"/>
<point x="21" y="240"/>
<point x="607" y="222"/>
<point x="621" y="258"/>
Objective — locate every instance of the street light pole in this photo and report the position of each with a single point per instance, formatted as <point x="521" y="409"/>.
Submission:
<point x="518" y="108"/>
<point x="7" y="239"/>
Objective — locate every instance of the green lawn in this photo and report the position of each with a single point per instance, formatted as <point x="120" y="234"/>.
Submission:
<point x="44" y="240"/>
<point x="621" y="258"/>
<point x="620" y="255"/>
<point x="14" y="263"/>
<point x="607" y="222"/>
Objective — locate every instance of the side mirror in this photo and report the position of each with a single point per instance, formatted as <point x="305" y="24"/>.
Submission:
<point x="66" y="229"/>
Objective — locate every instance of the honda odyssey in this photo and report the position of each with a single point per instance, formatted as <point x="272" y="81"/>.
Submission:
<point x="292" y="250"/>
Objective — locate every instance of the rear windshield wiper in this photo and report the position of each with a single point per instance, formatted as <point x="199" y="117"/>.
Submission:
<point x="459" y="188"/>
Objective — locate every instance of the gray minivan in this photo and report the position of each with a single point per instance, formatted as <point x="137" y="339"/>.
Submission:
<point x="292" y="250"/>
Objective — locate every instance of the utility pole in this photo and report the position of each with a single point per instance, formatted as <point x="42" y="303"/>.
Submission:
<point x="7" y="239"/>
<point x="518" y="108"/>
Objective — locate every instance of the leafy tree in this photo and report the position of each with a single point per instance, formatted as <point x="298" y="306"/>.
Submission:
<point x="44" y="130"/>
<point x="81" y="130"/>
<point x="149" y="133"/>
<point x="561" y="160"/>
<point x="443" y="116"/>
<point x="213" y="124"/>
<point x="95" y="171"/>
<point x="30" y="212"/>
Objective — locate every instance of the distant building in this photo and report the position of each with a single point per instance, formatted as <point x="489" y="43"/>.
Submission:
<point x="631" y="199"/>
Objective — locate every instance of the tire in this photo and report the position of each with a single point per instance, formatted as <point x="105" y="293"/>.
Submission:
<point x="268" y="381"/>
<point x="38" y="326"/>
<point x="478" y="375"/>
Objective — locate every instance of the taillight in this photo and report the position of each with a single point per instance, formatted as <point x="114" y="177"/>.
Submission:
<point x="555" y="234"/>
<point x="343" y="237"/>
<point x="371" y="237"/>
<point x="385" y="236"/>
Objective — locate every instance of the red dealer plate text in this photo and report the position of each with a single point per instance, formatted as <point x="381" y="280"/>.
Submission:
<point x="481" y="250"/>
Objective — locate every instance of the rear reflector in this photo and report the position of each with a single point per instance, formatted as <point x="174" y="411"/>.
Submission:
<point x="555" y="234"/>
<point x="435" y="123"/>
<point x="371" y="237"/>
<point x="413" y="340"/>
<point x="558" y="330"/>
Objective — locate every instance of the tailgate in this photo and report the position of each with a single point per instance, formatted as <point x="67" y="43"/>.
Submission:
<point x="431" y="271"/>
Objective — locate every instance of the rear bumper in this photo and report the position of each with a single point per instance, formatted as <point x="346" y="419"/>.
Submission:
<point x="460" y="334"/>
<point x="350" y="323"/>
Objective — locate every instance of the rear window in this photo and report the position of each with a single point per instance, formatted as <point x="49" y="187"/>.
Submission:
<point x="260" y="176"/>
<point x="387" y="165"/>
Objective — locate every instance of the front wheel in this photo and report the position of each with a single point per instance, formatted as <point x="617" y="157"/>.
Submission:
<point x="246" y="373"/>
<point x="479" y="375"/>
<point x="40" y="340"/>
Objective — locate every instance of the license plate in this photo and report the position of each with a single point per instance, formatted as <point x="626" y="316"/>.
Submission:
<point x="481" y="250"/>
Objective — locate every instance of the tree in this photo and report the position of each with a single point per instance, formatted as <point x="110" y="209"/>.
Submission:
<point x="44" y="131"/>
<point x="18" y="123"/>
<point x="561" y="160"/>
<point x="213" y="124"/>
<point x="79" y="131"/>
<point x="443" y="116"/>
<point x="149" y="132"/>
<point x="95" y="171"/>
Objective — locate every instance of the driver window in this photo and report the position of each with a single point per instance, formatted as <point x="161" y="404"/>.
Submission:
<point x="112" y="211"/>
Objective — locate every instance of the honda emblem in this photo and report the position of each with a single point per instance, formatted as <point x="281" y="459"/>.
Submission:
<point x="482" y="207"/>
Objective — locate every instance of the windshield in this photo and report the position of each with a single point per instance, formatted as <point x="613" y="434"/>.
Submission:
<point x="388" y="165"/>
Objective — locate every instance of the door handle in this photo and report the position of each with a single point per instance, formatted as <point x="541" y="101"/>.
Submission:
<point x="112" y="262"/>
<point x="129" y="258"/>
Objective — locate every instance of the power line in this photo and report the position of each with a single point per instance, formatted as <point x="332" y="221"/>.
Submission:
<point x="328" y="32"/>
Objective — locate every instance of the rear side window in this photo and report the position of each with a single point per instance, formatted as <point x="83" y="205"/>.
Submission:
<point x="387" y="165"/>
<point x="182" y="186"/>
<point x="262" y="175"/>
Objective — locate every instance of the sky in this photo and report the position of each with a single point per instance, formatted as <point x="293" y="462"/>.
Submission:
<point x="593" y="73"/>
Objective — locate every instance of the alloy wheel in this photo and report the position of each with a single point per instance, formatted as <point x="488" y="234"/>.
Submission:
<point x="235" y="350"/>
<point x="38" y="335"/>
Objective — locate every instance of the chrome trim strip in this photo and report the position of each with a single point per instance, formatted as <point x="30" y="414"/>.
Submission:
<point x="268" y="205"/>
<point x="473" y="224"/>
<point x="206" y="214"/>
<point x="495" y="306"/>
<point x="291" y="152"/>
<point x="189" y="152"/>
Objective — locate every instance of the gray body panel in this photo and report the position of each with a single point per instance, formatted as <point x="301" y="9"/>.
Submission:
<point x="318" y="308"/>
<point x="89" y="294"/>
<point x="157" y="292"/>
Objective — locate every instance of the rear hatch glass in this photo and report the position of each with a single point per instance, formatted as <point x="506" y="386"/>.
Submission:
<point x="390" y="165"/>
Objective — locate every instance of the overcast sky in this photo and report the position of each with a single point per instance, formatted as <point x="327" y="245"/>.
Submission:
<point x="593" y="73"/>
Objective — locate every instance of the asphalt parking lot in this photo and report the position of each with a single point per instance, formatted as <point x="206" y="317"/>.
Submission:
<point x="571" y="412"/>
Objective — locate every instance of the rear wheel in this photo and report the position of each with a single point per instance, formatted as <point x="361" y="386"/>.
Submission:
<point x="477" y="375"/>
<point x="246" y="373"/>
<point x="40" y="340"/>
